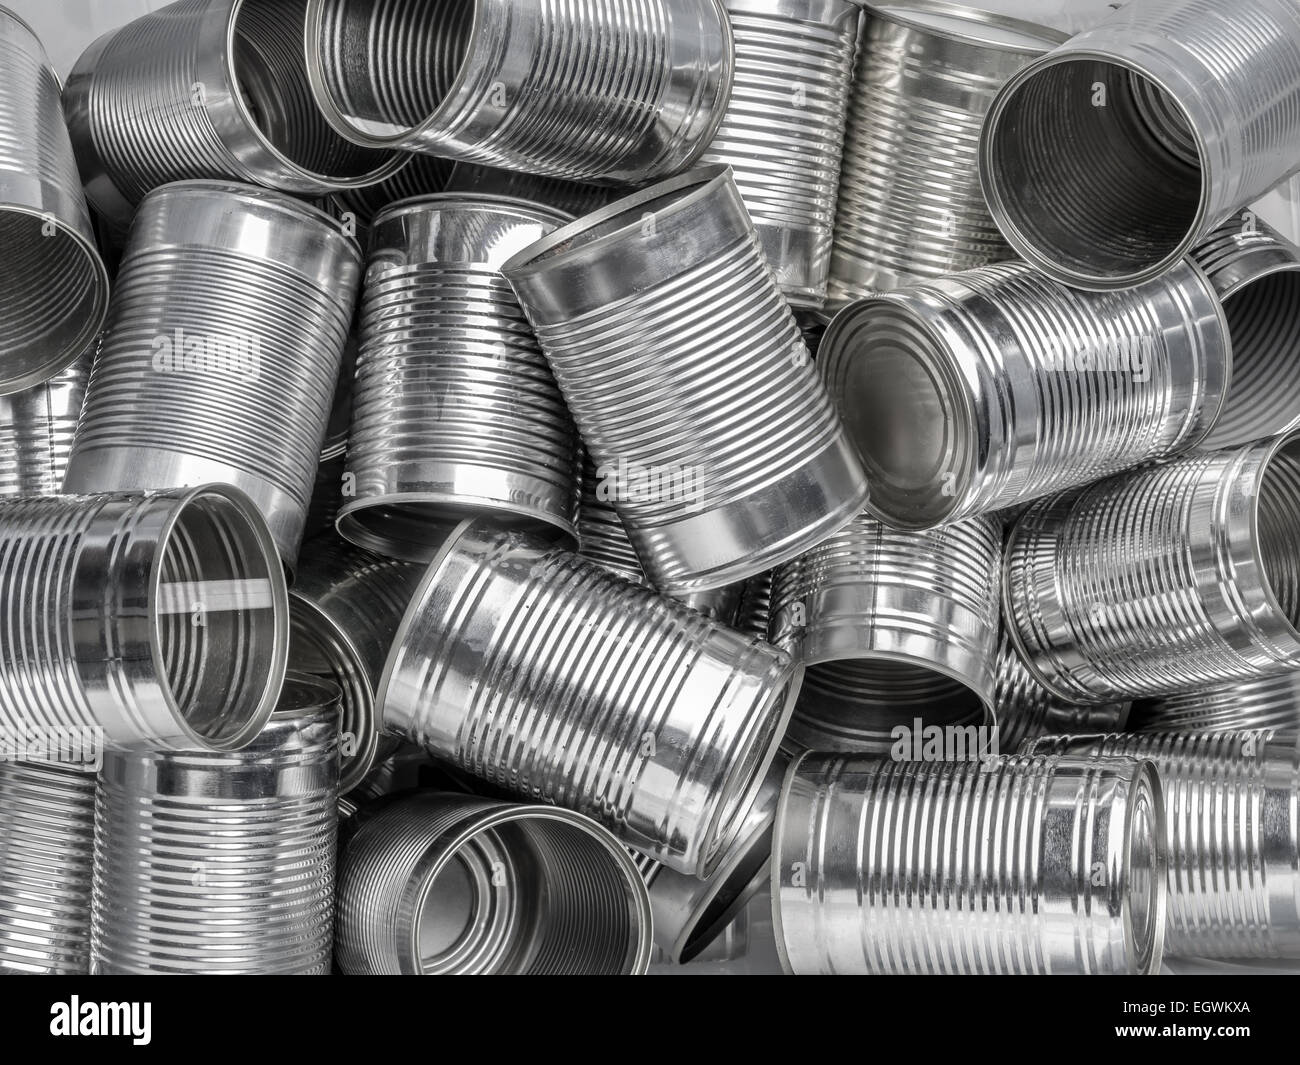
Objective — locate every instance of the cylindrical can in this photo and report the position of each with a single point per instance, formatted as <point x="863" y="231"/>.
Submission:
<point x="222" y="352"/>
<point x="783" y="131"/>
<point x="528" y="666"/>
<point x="455" y="411"/>
<point x="1109" y="159"/>
<point x="1025" y="709"/>
<point x="47" y="843"/>
<point x="36" y="431"/>
<point x="331" y="469"/>
<point x="910" y="205"/>
<point x="603" y="540"/>
<point x="689" y="381"/>
<point x="984" y="390"/>
<point x="1012" y="865"/>
<point x="623" y="91"/>
<point x="1233" y="830"/>
<point x="574" y="198"/>
<point x="207" y="89"/>
<point x="54" y="282"/>
<point x="895" y="630"/>
<point x="222" y="862"/>
<point x="158" y="619"/>
<point x="1256" y="273"/>
<point x="1165" y="579"/>
<point x="1271" y="702"/>
<point x="451" y="884"/>
<point x="344" y="609"/>
<point x="689" y="913"/>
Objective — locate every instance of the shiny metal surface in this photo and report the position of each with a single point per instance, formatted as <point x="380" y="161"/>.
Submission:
<point x="344" y="609"/>
<point x="986" y="389"/>
<point x="1256" y="273"/>
<point x="439" y="884"/>
<point x="681" y="365"/>
<point x="54" y="282"/>
<point x="455" y="412"/>
<point x="222" y="862"/>
<point x="892" y="627"/>
<point x="910" y="205"/>
<point x="1018" y="865"/>
<point x="47" y="838"/>
<point x="1165" y="579"/>
<point x="1025" y="709"/>
<point x="574" y="198"/>
<point x="1271" y="702"/>
<point x="689" y="913"/>
<point x="207" y="89"/>
<point x="224" y="341"/>
<point x="36" y="430"/>
<point x="160" y="619"/>
<point x="603" y="539"/>
<point x="1109" y="159"/>
<point x="540" y="672"/>
<point x="783" y="130"/>
<point x="1233" y="835"/>
<point x="620" y="91"/>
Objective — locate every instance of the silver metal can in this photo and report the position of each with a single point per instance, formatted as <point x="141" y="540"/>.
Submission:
<point x="222" y="353"/>
<point x="542" y="673"/>
<point x="54" y="282"/>
<point x="222" y="862"/>
<point x="689" y="382"/>
<point x="1014" y="865"/>
<point x="1109" y="159"/>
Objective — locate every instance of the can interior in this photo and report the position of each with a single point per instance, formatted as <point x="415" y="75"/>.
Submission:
<point x="415" y="53"/>
<point x="1278" y="532"/>
<point x="1096" y="168"/>
<point x="54" y="296"/>
<point x="1264" y="392"/>
<point x="217" y="624"/>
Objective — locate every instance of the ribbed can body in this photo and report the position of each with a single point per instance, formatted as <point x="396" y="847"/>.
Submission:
<point x="47" y="839"/>
<point x="540" y="672"/>
<point x="603" y="540"/>
<point x="1107" y="160"/>
<point x="345" y="606"/>
<point x="1271" y="702"/>
<point x="55" y="284"/>
<point x="1165" y="579"/>
<point x="455" y="411"/>
<point x="439" y="884"/>
<point x="222" y="863"/>
<point x="1256" y="273"/>
<point x="909" y="204"/>
<point x="891" y="627"/>
<point x="999" y="385"/>
<point x="190" y="635"/>
<point x="690" y="384"/>
<point x="783" y="131"/>
<point x="622" y="91"/>
<point x="207" y="89"/>
<point x="1233" y="837"/>
<point x="1015" y="865"/>
<point x="36" y="431"/>
<point x="227" y="329"/>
